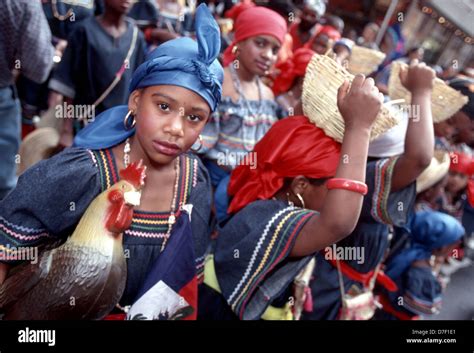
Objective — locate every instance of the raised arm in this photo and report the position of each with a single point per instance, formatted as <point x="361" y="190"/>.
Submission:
<point x="419" y="141"/>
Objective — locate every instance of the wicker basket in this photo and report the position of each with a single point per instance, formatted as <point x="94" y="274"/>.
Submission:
<point x="435" y="172"/>
<point x="322" y="80"/>
<point x="445" y="100"/>
<point x="364" y="60"/>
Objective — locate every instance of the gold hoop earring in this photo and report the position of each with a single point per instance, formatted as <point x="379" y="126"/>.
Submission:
<point x="200" y="145"/>
<point x="288" y="199"/>
<point x="301" y="199"/>
<point x="126" y="121"/>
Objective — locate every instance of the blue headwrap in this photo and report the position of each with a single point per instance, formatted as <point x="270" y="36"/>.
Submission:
<point x="430" y="230"/>
<point x="180" y="62"/>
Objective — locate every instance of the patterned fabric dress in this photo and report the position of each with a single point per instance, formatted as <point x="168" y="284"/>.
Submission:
<point x="52" y="196"/>
<point x="230" y="134"/>
<point x="381" y="208"/>
<point x="251" y="261"/>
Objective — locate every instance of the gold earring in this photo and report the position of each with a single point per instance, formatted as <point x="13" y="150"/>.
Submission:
<point x="200" y="145"/>
<point x="234" y="49"/>
<point x="301" y="199"/>
<point x="126" y="121"/>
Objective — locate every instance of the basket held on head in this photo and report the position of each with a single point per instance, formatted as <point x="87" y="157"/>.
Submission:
<point x="322" y="80"/>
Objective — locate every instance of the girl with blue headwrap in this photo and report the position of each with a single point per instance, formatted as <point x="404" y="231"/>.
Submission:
<point x="433" y="236"/>
<point x="172" y="95"/>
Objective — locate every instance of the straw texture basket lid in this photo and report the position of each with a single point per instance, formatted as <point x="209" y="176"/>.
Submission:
<point x="322" y="80"/>
<point x="445" y="100"/>
<point x="36" y="146"/>
<point x="364" y="60"/>
<point x="436" y="171"/>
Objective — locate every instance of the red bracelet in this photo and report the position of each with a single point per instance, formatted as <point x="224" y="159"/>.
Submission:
<point x="347" y="184"/>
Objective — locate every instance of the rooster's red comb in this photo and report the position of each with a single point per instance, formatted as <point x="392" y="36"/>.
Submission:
<point x="134" y="174"/>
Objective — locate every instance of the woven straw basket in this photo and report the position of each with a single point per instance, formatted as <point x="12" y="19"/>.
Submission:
<point x="37" y="145"/>
<point x="436" y="171"/>
<point x="322" y="80"/>
<point x="364" y="60"/>
<point x="445" y="100"/>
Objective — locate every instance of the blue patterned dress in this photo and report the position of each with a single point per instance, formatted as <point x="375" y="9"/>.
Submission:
<point x="381" y="209"/>
<point x="52" y="195"/>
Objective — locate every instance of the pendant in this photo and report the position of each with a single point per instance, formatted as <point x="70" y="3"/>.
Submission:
<point x="171" y="220"/>
<point x="127" y="149"/>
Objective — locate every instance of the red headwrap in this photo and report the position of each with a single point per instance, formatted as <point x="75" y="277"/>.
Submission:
<point x="464" y="164"/>
<point x="329" y="31"/>
<point x="470" y="185"/>
<point x="293" y="146"/>
<point x="470" y="192"/>
<point x="237" y="9"/>
<point x="291" y="69"/>
<point x="254" y="21"/>
<point x="461" y="163"/>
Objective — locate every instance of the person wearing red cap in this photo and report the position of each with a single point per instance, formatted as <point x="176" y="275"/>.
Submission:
<point x="460" y="171"/>
<point x="287" y="208"/>
<point x="248" y="108"/>
<point x="458" y="201"/>
<point x="288" y="85"/>
<point x="323" y="40"/>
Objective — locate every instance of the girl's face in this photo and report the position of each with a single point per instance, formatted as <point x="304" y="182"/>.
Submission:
<point x="444" y="129"/>
<point x="119" y="6"/>
<point x="456" y="182"/>
<point x="342" y="54"/>
<point x="169" y="120"/>
<point x="258" y="54"/>
<point x="320" y="44"/>
<point x="369" y="34"/>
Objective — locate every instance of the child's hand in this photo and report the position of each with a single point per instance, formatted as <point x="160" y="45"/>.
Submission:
<point x="417" y="78"/>
<point x="359" y="105"/>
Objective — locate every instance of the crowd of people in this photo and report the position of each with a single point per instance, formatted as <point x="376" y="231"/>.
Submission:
<point x="260" y="213"/>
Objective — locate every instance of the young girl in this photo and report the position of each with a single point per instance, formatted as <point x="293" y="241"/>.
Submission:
<point x="99" y="50"/>
<point x="171" y="97"/>
<point x="268" y="240"/>
<point x="248" y="108"/>
<point x="398" y="157"/>
<point x="433" y="236"/>
<point x="323" y="40"/>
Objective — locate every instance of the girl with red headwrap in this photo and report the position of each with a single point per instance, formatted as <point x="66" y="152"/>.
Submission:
<point x="460" y="171"/>
<point x="248" y="108"/>
<point x="323" y="39"/>
<point x="288" y="207"/>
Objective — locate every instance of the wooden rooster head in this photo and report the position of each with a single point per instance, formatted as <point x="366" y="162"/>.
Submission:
<point x="134" y="174"/>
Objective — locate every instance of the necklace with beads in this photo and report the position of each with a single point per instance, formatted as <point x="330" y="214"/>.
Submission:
<point x="253" y="113"/>
<point x="172" y="217"/>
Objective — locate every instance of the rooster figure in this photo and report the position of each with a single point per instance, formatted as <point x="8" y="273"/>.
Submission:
<point x="84" y="277"/>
